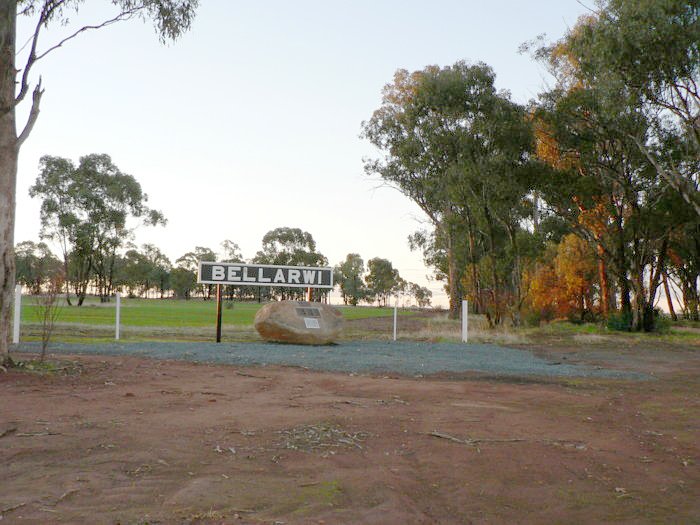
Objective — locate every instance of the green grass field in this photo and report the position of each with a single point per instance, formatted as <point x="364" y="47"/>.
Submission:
<point x="171" y="313"/>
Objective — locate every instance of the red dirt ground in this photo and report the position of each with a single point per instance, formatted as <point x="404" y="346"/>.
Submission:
<point x="135" y="441"/>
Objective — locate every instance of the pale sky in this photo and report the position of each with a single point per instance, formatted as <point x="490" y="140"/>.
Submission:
<point x="251" y="120"/>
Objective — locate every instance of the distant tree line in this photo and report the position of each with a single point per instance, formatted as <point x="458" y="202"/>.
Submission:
<point x="147" y="272"/>
<point x="86" y="209"/>
<point x="377" y="282"/>
<point x="582" y="204"/>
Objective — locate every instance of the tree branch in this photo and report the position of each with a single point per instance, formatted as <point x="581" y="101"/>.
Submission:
<point x="126" y="15"/>
<point x="675" y="180"/>
<point x="33" y="115"/>
<point x="47" y="11"/>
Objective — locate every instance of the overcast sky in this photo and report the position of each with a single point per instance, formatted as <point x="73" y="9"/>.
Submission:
<point x="251" y="121"/>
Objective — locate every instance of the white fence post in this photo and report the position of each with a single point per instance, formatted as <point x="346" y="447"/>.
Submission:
<point x="17" y="314"/>
<point x="119" y="304"/>
<point x="396" y="307"/>
<point x="465" y="321"/>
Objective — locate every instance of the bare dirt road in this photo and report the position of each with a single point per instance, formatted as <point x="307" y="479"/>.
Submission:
<point x="134" y="441"/>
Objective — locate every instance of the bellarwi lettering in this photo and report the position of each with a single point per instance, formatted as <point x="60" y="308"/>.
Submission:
<point x="233" y="272"/>
<point x="218" y="273"/>
<point x="246" y="277"/>
<point x="263" y="275"/>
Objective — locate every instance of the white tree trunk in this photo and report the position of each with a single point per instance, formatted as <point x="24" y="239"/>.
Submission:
<point x="8" y="169"/>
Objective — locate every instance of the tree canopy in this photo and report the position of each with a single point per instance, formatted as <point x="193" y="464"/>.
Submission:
<point x="459" y="148"/>
<point x="85" y="209"/>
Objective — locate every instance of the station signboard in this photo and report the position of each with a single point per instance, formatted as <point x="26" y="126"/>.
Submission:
<point x="238" y="274"/>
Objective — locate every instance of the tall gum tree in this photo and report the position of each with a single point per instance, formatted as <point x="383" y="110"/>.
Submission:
<point x="458" y="148"/>
<point x="630" y="123"/>
<point x="650" y="48"/>
<point x="170" y="17"/>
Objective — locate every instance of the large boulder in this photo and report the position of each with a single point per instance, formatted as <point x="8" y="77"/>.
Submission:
<point x="299" y="322"/>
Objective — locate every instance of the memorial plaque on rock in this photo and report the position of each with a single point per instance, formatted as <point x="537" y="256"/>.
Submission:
<point x="299" y="322"/>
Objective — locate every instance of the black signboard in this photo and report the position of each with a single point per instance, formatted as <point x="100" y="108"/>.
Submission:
<point x="264" y="275"/>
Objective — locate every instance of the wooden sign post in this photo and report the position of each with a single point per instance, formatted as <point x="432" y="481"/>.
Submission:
<point x="218" y="313"/>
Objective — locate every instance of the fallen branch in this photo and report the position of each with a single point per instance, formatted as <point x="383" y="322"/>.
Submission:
<point x="7" y="432"/>
<point x="35" y="434"/>
<point x="448" y="437"/>
<point x="475" y="441"/>
<point x="67" y="494"/>
<point x="348" y="402"/>
<point x="251" y="375"/>
<point x="10" y="509"/>
<point x="470" y="441"/>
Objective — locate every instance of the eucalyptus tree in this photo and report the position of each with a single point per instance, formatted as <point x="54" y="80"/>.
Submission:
<point x="160" y="267"/>
<point x="170" y="17"/>
<point x="604" y="181"/>
<point x="189" y="262"/>
<point x="383" y="280"/>
<point x="649" y="50"/>
<point x="348" y="275"/>
<point x="231" y="252"/>
<point x="35" y="264"/>
<point x="143" y="270"/>
<point x="85" y="208"/>
<point x="421" y="294"/>
<point x="458" y="148"/>
<point x="293" y="247"/>
<point x="134" y="271"/>
<point x="182" y="282"/>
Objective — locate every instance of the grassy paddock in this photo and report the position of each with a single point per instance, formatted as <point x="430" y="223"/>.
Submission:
<point x="169" y="313"/>
<point x="194" y="320"/>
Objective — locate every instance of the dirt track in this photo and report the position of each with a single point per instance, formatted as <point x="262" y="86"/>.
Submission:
<point x="137" y="441"/>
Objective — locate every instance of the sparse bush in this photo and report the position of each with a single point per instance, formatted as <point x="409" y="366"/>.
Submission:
<point x="48" y="309"/>
<point x="532" y="317"/>
<point x="620" y="321"/>
<point x="662" y="323"/>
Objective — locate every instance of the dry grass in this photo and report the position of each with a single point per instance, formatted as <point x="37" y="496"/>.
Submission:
<point x="588" y="339"/>
<point x="441" y="328"/>
<point x="321" y="436"/>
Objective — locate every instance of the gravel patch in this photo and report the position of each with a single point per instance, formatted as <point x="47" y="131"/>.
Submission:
<point x="374" y="357"/>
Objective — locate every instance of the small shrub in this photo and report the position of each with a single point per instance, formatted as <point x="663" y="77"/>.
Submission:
<point x="48" y="309"/>
<point x="620" y="321"/>
<point x="662" y="323"/>
<point x="532" y="318"/>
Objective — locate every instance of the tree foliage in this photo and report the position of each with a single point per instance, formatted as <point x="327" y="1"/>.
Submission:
<point x="36" y="264"/>
<point x="383" y="280"/>
<point x="349" y="277"/>
<point x="291" y="247"/>
<point x="85" y="208"/>
<point x="618" y="138"/>
<point x="459" y="149"/>
<point x="648" y="52"/>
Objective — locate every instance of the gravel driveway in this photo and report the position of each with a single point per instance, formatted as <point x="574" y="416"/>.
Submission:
<point x="406" y="358"/>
